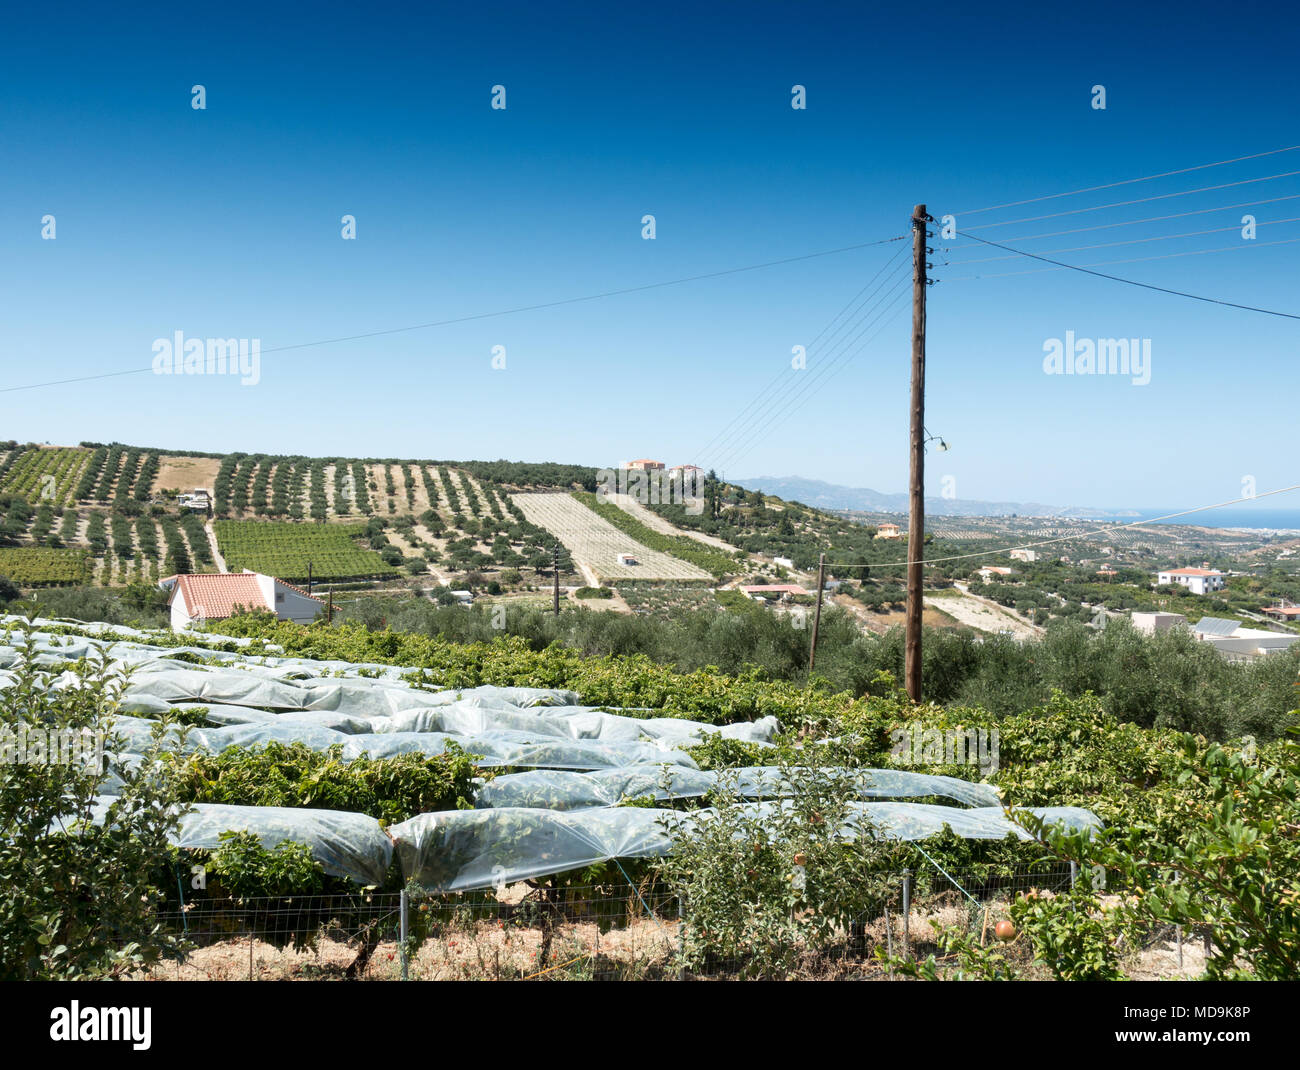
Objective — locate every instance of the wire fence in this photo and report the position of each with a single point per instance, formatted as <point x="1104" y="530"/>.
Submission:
<point x="553" y="931"/>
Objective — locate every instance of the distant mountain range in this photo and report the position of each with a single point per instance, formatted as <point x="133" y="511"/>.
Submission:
<point x="822" y="495"/>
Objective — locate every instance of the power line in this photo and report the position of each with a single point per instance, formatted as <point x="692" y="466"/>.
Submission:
<point x="773" y="407"/>
<point x="860" y="317"/>
<point x="1129" y="181"/>
<point x="490" y="315"/>
<point x="780" y="376"/>
<point x="1124" y="204"/>
<point x="1135" y="222"/>
<point x="1069" y="538"/>
<point x="810" y="387"/>
<point x="1130" y="241"/>
<point x="1151" y="286"/>
<point x="766" y="397"/>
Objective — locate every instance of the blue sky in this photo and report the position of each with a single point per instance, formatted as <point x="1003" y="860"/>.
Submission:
<point x="225" y="222"/>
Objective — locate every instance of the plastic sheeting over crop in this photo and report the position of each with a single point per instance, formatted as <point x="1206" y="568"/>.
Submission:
<point x="348" y="845"/>
<point x="576" y="791"/>
<point x="461" y="850"/>
<point x="558" y="815"/>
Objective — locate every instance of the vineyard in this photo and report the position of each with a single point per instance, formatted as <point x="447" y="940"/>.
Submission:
<point x="285" y="550"/>
<point x="41" y="567"/>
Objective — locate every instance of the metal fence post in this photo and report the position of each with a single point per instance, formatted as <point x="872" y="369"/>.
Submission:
<point x="1074" y="874"/>
<point x="907" y="908"/>
<point x="401" y="946"/>
<point x="681" y="938"/>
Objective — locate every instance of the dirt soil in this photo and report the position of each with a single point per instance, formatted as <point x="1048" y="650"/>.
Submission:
<point x="186" y="473"/>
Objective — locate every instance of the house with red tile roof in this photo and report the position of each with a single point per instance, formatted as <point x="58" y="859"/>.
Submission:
<point x="208" y="596"/>
<point x="1196" y="580"/>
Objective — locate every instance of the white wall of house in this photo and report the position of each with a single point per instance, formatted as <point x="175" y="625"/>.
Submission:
<point x="287" y="603"/>
<point x="1195" y="584"/>
<point x="181" y="615"/>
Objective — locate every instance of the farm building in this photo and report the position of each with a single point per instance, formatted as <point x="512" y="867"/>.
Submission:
<point x="1151" y="623"/>
<point x="218" y="595"/>
<point x="1024" y="555"/>
<point x="627" y="559"/>
<point x="1239" y="643"/>
<point x="888" y="531"/>
<point x="784" y="591"/>
<point x="989" y="572"/>
<point x="198" y="500"/>
<point x="1283" y="612"/>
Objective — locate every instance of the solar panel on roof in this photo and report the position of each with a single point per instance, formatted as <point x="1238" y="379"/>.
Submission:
<point x="1216" y="626"/>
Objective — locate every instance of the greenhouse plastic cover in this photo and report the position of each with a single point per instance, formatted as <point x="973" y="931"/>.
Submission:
<point x="608" y="787"/>
<point x="559" y="815"/>
<point x="463" y="850"/>
<point x="345" y="844"/>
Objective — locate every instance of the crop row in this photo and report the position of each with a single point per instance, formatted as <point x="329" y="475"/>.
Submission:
<point x="48" y="475"/>
<point x="286" y="550"/>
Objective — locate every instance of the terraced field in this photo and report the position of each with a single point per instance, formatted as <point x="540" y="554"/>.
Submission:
<point x="595" y="543"/>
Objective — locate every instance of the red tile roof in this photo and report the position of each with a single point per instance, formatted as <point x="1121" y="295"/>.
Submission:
<point x="1191" y="572"/>
<point x="214" y="596"/>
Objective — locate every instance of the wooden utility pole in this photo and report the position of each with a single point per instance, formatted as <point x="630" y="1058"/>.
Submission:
<point x="817" y="617"/>
<point x="557" y="580"/>
<point x="308" y="579"/>
<point x="916" y="514"/>
<point x="329" y="612"/>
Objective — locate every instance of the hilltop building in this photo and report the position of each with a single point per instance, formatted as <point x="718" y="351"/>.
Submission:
<point x="198" y="500"/>
<point x="888" y="531"/>
<point x="644" y="465"/>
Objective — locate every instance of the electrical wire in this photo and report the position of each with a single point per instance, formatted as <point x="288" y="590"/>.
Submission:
<point x="1151" y="286"/>
<point x="487" y="315"/>
<point x="1129" y="181"/>
<point x="861" y="317"/>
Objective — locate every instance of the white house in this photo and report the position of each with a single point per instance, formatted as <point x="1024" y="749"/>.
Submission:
<point x="994" y="572"/>
<point x="784" y="562"/>
<point x="1024" y="555"/>
<point x="199" y="500"/>
<point x="218" y="595"/>
<point x="888" y="531"/>
<point x="1196" y="580"/>
<point x="628" y="559"/>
